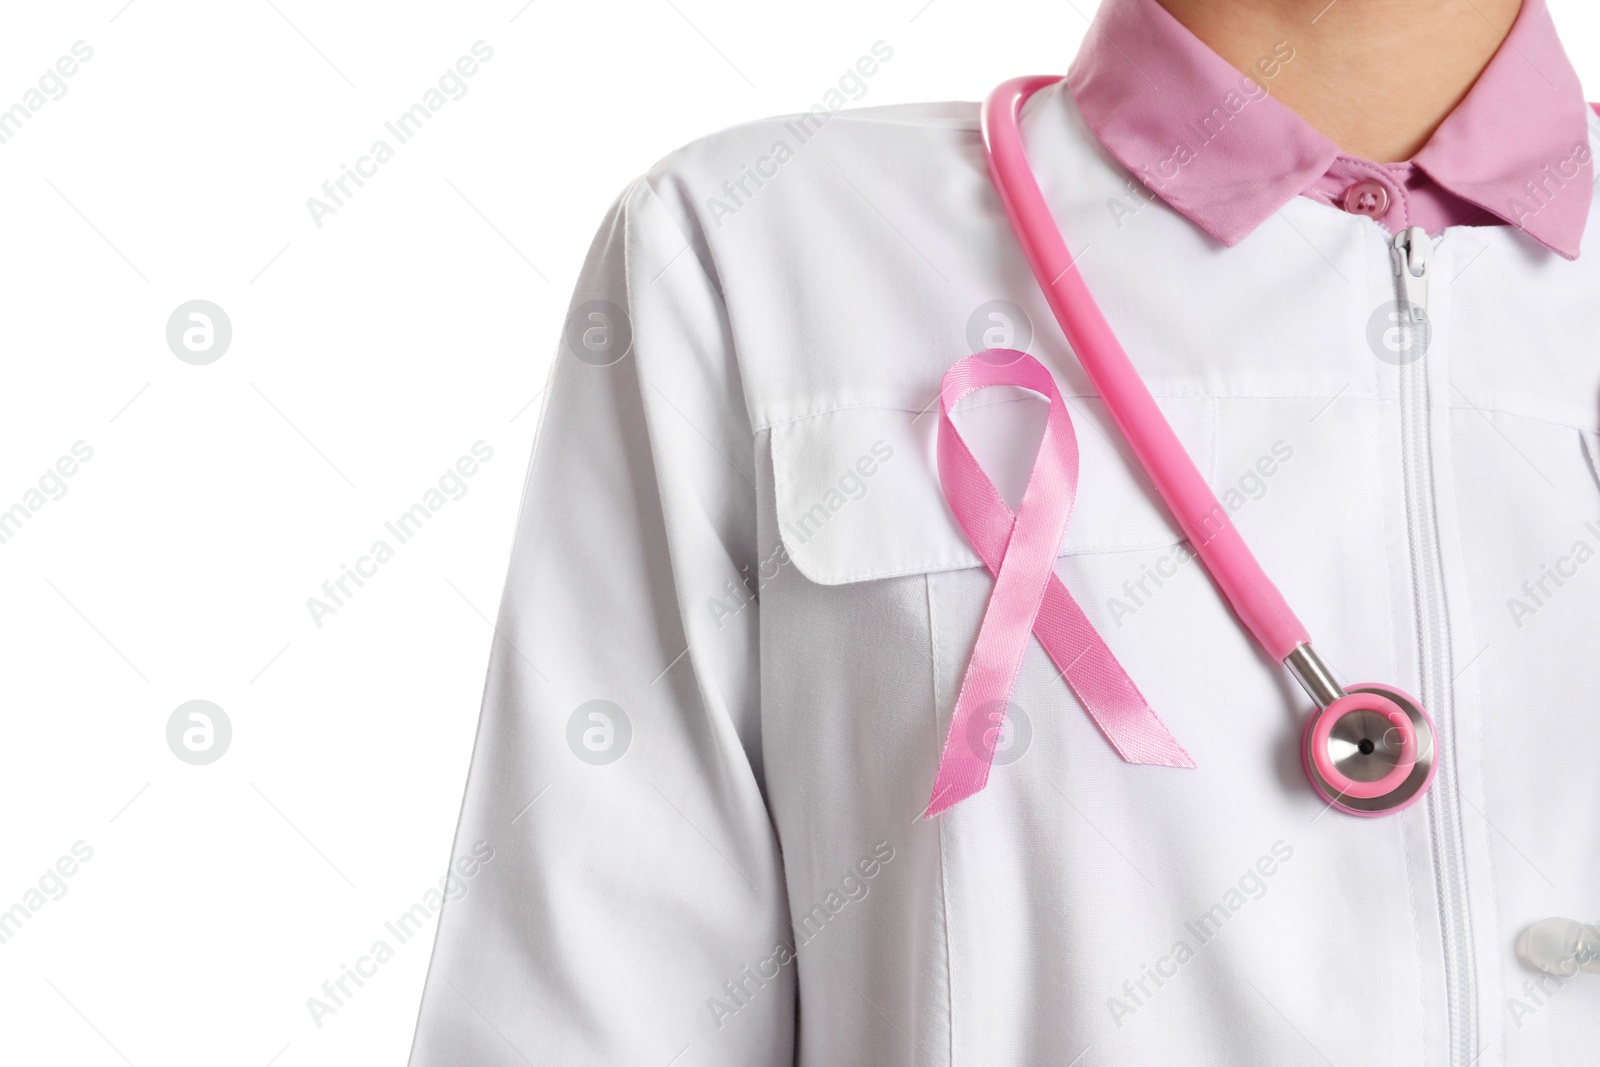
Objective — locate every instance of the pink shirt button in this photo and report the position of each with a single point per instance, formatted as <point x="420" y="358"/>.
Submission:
<point x="1368" y="198"/>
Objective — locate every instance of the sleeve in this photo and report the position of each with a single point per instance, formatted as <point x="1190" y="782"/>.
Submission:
<point x="616" y="891"/>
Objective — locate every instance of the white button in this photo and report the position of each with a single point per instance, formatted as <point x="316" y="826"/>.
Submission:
<point x="1560" y="946"/>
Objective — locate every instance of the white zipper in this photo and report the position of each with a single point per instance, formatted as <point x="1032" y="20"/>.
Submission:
<point x="1411" y="252"/>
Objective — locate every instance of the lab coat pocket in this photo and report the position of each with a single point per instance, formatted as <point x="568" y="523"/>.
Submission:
<point x="858" y="496"/>
<point x="871" y="597"/>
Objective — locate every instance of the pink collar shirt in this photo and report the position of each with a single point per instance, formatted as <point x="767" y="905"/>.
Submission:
<point x="1214" y="144"/>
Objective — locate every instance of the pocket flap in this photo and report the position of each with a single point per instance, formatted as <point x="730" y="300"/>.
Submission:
<point x="858" y="494"/>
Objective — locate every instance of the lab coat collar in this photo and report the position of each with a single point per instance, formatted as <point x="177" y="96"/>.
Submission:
<point x="1219" y="149"/>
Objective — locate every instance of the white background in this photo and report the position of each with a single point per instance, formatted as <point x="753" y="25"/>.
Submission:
<point x="368" y="354"/>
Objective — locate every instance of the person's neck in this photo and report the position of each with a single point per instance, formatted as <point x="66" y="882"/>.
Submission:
<point x="1374" y="76"/>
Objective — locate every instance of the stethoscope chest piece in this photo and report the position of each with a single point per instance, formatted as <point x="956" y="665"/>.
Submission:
<point x="1371" y="751"/>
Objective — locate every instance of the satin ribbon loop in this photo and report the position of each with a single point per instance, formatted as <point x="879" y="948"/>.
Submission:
<point x="1020" y="550"/>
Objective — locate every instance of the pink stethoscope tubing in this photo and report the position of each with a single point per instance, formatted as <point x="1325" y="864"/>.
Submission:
<point x="1327" y="751"/>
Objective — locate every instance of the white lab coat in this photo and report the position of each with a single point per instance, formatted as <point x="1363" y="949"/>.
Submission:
<point x="733" y="532"/>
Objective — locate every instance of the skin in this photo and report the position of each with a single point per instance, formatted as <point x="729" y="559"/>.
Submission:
<point x="1377" y="77"/>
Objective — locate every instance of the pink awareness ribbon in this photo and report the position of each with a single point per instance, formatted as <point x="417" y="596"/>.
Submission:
<point x="1020" y="551"/>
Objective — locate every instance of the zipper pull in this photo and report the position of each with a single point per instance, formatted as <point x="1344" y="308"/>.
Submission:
<point x="1412" y="247"/>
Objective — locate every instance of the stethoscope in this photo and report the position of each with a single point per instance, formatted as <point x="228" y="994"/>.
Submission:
<point x="1369" y="749"/>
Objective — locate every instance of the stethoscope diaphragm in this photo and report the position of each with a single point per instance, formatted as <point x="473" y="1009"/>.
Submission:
<point x="1371" y="751"/>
